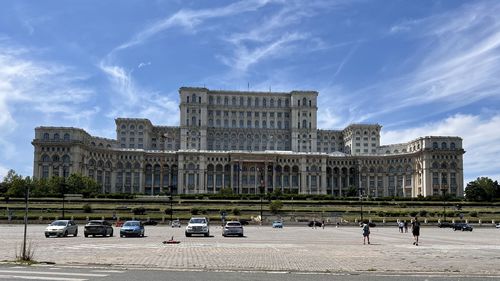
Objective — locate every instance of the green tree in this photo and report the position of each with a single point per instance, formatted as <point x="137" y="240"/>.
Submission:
<point x="79" y="184"/>
<point x="14" y="184"/>
<point x="226" y="191"/>
<point x="352" y="191"/>
<point x="275" y="206"/>
<point x="482" y="189"/>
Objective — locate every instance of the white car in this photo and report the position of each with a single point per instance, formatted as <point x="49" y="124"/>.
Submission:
<point x="232" y="228"/>
<point x="176" y="223"/>
<point x="198" y="226"/>
<point x="61" y="228"/>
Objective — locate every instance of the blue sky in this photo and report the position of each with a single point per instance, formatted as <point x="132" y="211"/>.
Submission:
<point x="416" y="67"/>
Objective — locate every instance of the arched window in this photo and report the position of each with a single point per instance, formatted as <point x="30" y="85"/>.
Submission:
<point x="271" y="103"/>
<point x="218" y="100"/>
<point x="279" y="102"/>
<point x="257" y="102"/>
<point x="211" y="100"/>
<point x="264" y="102"/>
<point x="304" y="124"/>
<point x="233" y="101"/>
<point x="193" y="121"/>
<point x="241" y="101"/>
<point x="435" y="165"/>
<point x="193" y="98"/>
<point x="249" y="101"/>
<point x="46" y="136"/>
<point x="443" y="145"/>
<point x="452" y="145"/>
<point x="187" y="99"/>
<point x="435" y="145"/>
<point x="304" y="102"/>
<point x="65" y="159"/>
<point x="56" y="136"/>
<point x="226" y="101"/>
<point x="66" y="137"/>
<point x="45" y="158"/>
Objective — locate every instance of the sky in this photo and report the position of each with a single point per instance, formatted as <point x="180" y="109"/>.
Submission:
<point x="418" y="68"/>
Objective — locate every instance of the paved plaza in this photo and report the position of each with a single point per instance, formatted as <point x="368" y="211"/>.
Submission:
<point x="294" y="248"/>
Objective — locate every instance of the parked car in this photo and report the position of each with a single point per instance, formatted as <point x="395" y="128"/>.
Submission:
<point x="61" y="228"/>
<point x="312" y="223"/>
<point x="132" y="228"/>
<point x="445" y="224"/>
<point x="232" y="228"/>
<point x="462" y="226"/>
<point x="98" y="227"/>
<point x="176" y="223"/>
<point x="198" y="225"/>
<point x="277" y="224"/>
<point x="150" y="222"/>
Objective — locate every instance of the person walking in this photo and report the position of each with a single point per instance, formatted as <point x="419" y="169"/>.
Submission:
<point x="400" y="225"/>
<point x="366" y="232"/>
<point x="415" y="226"/>
<point x="323" y="224"/>
<point x="406" y="226"/>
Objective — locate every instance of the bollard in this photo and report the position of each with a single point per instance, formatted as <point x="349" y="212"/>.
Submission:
<point x="72" y="218"/>
<point x="466" y="221"/>
<point x="87" y="218"/>
<point x="40" y="218"/>
<point x="102" y="217"/>
<point x="479" y="222"/>
<point x="383" y="221"/>
<point x="425" y="221"/>
<point x="163" y="219"/>
<point x="453" y="221"/>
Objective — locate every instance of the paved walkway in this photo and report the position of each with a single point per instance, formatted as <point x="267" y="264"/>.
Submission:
<point x="266" y="249"/>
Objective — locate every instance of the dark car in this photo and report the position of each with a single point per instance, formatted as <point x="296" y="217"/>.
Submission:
<point x="98" y="227"/>
<point x="462" y="226"/>
<point x="312" y="223"/>
<point x="445" y="224"/>
<point x="150" y="222"/>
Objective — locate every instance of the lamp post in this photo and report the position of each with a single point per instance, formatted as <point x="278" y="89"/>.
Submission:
<point x="444" y="203"/>
<point x="171" y="204"/>
<point x="63" y="190"/>
<point x="261" y="190"/>
<point x="361" y="203"/>
<point x="26" y="198"/>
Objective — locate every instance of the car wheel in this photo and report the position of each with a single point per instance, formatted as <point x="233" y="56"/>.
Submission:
<point x="47" y="236"/>
<point x="111" y="234"/>
<point x="188" y="234"/>
<point x="86" y="235"/>
<point x="207" y="234"/>
<point x="65" y="234"/>
<point x="76" y="233"/>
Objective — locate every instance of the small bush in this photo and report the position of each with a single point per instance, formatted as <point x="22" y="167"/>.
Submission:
<point x="195" y="211"/>
<point x="473" y="214"/>
<point x="423" y="213"/>
<point x="139" y="211"/>
<point x="236" y="211"/>
<point x="413" y="213"/>
<point x="87" y="208"/>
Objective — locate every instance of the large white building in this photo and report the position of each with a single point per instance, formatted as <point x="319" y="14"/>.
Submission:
<point x="249" y="141"/>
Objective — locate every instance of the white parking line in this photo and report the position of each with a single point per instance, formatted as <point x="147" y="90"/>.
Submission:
<point x="108" y="271"/>
<point x="51" y="278"/>
<point x="53" y="273"/>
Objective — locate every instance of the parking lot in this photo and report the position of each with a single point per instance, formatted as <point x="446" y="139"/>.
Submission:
<point x="295" y="248"/>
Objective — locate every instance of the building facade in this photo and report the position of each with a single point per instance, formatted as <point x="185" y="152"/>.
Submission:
<point x="250" y="142"/>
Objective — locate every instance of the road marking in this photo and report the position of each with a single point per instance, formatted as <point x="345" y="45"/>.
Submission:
<point x="53" y="273"/>
<point x="108" y="271"/>
<point x="50" y="278"/>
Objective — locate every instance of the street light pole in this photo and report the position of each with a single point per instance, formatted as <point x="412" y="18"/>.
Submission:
<point x="62" y="191"/>
<point x="444" y="204"/>
<point x="171" y="205"/>
<point x="26" y="198"/>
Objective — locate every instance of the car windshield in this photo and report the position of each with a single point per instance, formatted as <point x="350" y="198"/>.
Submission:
<point x="95" y="223"/>
<point x="233" y="224"/>
<point x="197" y="221"/>
<point x="132" y="223"/>
<point x="59" y="223"/>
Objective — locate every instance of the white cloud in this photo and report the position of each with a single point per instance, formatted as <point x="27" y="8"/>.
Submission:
<point x="458" y="56"/>
<point x="34" y="91"/>
<point x="189" y="19"/>
<point x="3" y="172"/>
<point x="480" y="140"/>
<point x="130" y="100"/>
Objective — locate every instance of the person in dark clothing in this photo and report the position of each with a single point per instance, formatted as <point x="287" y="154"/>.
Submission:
<point x="406" y="226"/>
<point x="415" y="230"/>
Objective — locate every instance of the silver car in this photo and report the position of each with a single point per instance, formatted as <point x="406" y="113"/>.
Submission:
<point x="61" y="228"/>
<point x="232" y="228"/>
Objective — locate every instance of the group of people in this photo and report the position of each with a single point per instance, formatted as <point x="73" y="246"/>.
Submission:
<point x="415" y="229"/>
